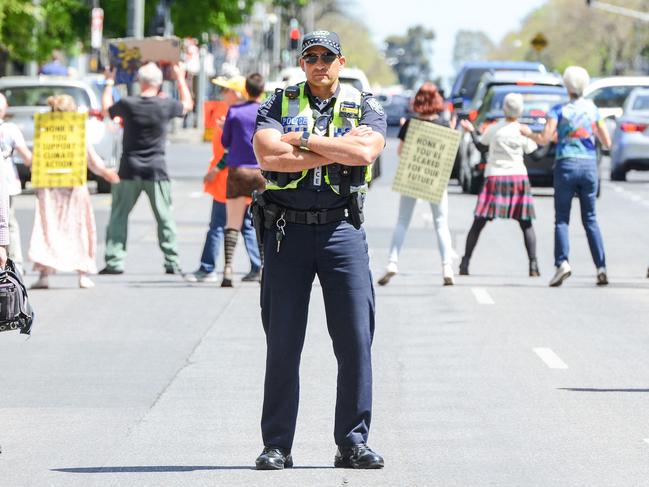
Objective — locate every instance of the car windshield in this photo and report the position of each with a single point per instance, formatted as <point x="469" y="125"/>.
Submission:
<point x="611" y="96"/>
<point x="641" y="103"/>
<point x="470" y="81"/>
<point x="36" y="96"/>
<point x="534" y="104"/>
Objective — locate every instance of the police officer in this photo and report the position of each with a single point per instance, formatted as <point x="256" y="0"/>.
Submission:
<point x="316" y="142"/>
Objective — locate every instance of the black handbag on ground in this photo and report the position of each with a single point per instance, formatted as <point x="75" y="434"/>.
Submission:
<point x="15" y="311"/>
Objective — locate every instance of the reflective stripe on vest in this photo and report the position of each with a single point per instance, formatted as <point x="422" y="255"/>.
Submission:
<point x="297" y="116"/>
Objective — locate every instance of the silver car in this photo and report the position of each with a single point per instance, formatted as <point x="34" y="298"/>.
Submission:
<point x="630" y="147"/>
<point x="27" y="95"/>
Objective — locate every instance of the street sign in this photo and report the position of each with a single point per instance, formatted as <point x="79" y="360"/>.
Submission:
<point x="539" y="42"/>
<point x="96" y="28"/>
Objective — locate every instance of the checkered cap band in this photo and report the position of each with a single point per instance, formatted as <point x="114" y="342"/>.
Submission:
<point x="322" y="38"/>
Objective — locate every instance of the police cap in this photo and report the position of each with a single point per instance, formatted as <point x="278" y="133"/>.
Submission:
<point x="322" y="38"/>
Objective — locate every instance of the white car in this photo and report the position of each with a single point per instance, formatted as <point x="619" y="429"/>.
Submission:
<point x="353" y="76"/>
<point x="609" y="94"/>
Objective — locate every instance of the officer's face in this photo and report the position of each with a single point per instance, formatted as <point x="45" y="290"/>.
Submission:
<point x="320" y="73"/>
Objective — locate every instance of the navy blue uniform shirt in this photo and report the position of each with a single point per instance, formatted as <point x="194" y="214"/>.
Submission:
<point x="307" y="196"/>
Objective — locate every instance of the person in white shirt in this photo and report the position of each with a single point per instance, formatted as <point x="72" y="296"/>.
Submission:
<point x="506" y="192"/>
<point x="12" y="141"/>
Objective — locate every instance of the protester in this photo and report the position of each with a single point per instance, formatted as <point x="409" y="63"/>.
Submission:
<point x="506" y="192"/>
<point x="575" y="124"/>
<point x="64" y="237"/>
<point x="143" y="166"/>
<point x="244" y="176"/>
<point x="12" y="141"/>
<point x="233" y="91"/>
<point x="428" y="105"/>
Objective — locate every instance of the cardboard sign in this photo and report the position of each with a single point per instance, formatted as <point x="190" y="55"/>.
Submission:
<point x="212" y="110"/>
<point x="427" y="159"/>
<point x="60" y="159"/>
<point x="128" y="54"/>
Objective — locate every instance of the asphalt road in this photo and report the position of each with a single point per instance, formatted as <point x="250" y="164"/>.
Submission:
<point x="497" y="381"/>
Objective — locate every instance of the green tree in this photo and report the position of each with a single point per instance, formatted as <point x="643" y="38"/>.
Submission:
<point x="410" y="55"/>
<point x="602" y="42"/>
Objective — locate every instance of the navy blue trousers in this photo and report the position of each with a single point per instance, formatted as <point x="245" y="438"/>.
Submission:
<point x="337" y="254"/>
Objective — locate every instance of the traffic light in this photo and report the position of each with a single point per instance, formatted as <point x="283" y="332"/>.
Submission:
<point x="294" y="37"/>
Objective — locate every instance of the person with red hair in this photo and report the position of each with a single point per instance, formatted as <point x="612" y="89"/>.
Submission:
<point x="428" y="104"/>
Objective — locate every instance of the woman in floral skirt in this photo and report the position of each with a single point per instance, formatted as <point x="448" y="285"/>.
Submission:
<point x="64" y="237"/>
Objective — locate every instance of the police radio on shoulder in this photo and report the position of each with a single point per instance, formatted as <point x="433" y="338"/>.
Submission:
<point x="304" y="140"/>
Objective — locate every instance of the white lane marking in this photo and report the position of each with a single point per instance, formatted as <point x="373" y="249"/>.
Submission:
<point x="482" y="296"/>
<point x="550" y="358"/>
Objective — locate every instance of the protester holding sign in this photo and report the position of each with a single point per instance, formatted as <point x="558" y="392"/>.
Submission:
<point x="428" y="104"/>
<point x="64" y="236"/>
<point x="506" y="192"/>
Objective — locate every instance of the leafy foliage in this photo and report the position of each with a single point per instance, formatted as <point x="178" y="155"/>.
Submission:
<point x="470" y="45"/>
<point x="410" y="55"/>
<point x="602" y="42"/>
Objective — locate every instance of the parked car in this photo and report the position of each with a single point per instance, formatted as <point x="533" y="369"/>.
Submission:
<point x="630" y="147"/>
<point x="609" y="94"/>
<point x="538" y="101"/>
<point x="28" y="95"/>
<point x="397" y="107"/>
<point x="467" y="80"/>
<point x="520" y="78"/>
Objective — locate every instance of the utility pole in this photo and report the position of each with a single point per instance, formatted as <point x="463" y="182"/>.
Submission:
<point x="135" y="18"/>
<point x="32" y="66"/>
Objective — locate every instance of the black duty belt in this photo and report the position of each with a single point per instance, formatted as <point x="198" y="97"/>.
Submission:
<point x="319" y="217"/>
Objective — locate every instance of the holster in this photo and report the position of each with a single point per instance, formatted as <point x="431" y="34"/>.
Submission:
<point x="356" y="201"/>
<point x="264" y="215"/>
<point x="257" y="214"/>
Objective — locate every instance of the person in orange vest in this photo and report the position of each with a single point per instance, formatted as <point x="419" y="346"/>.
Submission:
<point x="233" y="91"/>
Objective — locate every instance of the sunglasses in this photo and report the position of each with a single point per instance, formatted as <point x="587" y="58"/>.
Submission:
<point x="327" y="58"/>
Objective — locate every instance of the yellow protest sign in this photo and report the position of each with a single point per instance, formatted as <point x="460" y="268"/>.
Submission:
<point x="426" y="162"/>
<point x="60" y="159"/>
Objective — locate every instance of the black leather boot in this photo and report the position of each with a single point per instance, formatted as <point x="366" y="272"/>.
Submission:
<point x="534" y="268"/>
<point x="464" y="266"/>
<point x="358" y="456"/>
<point x="274" y="458"/>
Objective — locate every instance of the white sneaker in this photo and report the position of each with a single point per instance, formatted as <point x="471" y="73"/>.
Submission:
<point x="602" y="278"/>
<point x="390" y="271"/>
<point x="85" y="282"/>
<point x="447" y="274"/>
<point x="562" y="273"/>
<point x="200" y="276"/>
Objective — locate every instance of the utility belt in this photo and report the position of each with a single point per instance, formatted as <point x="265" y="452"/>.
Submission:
<point x="267" y="215"/>
<point x="344" y="178"/>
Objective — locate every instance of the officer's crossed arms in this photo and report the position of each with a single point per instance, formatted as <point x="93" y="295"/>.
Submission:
<point x="282" y="153"/>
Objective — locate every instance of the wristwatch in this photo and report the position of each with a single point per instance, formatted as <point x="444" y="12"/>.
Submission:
<point x="304" y="140"/>
<point x="110" y="82"/>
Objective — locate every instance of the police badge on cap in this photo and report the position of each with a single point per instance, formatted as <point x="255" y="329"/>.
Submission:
<point x="322" y="38"/>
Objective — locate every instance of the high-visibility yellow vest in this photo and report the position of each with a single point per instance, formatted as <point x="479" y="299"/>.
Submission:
<point x="297" y="116"/>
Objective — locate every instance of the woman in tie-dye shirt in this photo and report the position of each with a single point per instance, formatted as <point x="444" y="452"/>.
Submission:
<point x="576" y="125"/>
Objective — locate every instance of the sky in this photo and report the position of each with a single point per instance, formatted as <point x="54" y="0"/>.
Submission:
<point x="445" y="17"/>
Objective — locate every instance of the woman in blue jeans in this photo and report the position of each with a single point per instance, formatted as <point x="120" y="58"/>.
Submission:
<point x="576" y="124"/>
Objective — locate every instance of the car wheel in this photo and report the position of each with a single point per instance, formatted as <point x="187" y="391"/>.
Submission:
<point x="618" y="175"/>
